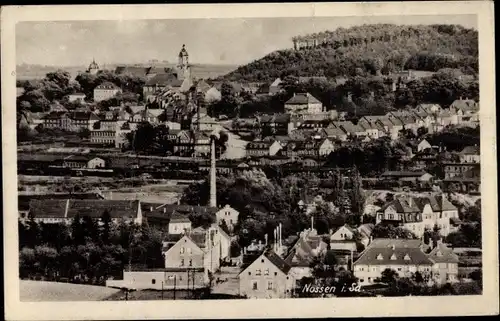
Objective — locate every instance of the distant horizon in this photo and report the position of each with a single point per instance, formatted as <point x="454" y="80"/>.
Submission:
<point x="224" y="42"/>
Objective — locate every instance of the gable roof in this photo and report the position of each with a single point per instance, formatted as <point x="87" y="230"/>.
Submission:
<point x="393" y="252"/>
<point x="442" y="254"/>
<point x="179" y="218"/>
<point x="277" y="261"/>
<point x="132" y="70"/>
<point x="95" y="208"/>
<point x="302" y="99"/>
<point x="165" y="79"/>
<point x="471" y="150"/>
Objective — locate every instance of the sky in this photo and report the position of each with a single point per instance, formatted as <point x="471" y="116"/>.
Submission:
<point x="208" y="41"/>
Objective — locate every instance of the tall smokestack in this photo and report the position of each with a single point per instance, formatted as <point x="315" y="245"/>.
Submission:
<point x="213" y="191"/>
<point x="275" y="238"/>
<point x="312" y="222"/>
<point x="280" y="237"/>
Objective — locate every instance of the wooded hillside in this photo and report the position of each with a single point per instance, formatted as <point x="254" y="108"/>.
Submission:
<point x="369" y="49"/>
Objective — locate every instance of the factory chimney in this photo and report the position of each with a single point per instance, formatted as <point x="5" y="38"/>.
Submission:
<point x="213" y="190"/>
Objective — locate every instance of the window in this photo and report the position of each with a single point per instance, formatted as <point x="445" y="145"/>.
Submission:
<point x="182" y="262"/>
<point x="262" y="261"/>
<point x="153" y="281"/>
<point x="275" y="273"/>
<point x="269" y="285"/>
<point x="190" y="262"/>
<point x="266" y="272"/>
<point x="183" y="250"/>
<point x="249" y="273"/>
<point x="258" y="272"/>
<point x="393" y="257"/>
<point x="189" y="250"/>
<point x="254" y="285"/>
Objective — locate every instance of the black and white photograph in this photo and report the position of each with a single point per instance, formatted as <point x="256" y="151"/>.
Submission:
<point x="189" y="159"/>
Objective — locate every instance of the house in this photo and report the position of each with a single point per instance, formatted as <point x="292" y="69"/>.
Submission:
<point x="262" y="148"/>
<point x="467" y="110"/>
<point x="365" y="230"/>
<point x="201" y="144"/>
<point x="54" y="211"/>
<point x="82" y="120"/>
<point x="351" y="129"/>
<point x="228" y="215"/>
<point x="105" y="91"/>
<point x="302" y="103"/>
<point x="372" y="129"/>
<point x="335" y="134"/>
<point x="76" y="97"/>
<point x="403" y="176"/>
<point x="418" y="214"/>
<point x="158" y="82"/>
<point x="343" y="239"/>
<point x="267" y="277"/>
<point x="179" y="224"/>
<point x="470" y="154"/>
<point x="462" y="178"/>
<point x="136" y="71"/>
<point x="57" y="120"/>
<point x="423" y="145"/>
<point x="445" y="268"/>
<point x="301" y="254"/>
<point x="275" y="87"/>
<point x="81" y="161"/>
<point x="325" y="147"/>
<point x="206" y="123"/>
<point x="430" y="109"/>
<point x="403" y="256"/>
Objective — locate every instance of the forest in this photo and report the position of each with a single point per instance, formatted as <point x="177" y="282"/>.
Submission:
<point x="369" y="49"/>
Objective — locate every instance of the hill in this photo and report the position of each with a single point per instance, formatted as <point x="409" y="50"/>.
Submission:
<point x="30" y="72"/>
<point x="372" y="49"/>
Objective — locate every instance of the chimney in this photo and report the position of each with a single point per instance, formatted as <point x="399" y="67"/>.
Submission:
<point x="280" y="237"/>
<point x="274" y="240"/>
<point x="164" y="210"/>
<point x="151" y="208"/>
<point x="266" y="237"/>
<point x="393" y="247"/>
<point x="213" y="191"/>
<point x="312" y="222"/>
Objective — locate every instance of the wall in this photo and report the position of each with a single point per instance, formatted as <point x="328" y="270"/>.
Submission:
<point x="282" y="285"/>
<point x="368" y="273"/>
<point x="182" y="252"/>
<point x="178" y="228"/>
<point x="141" y="280"/>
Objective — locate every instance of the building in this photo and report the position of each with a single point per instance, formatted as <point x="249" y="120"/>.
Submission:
<point x="325" y="147"/>
<point x="81" y="161"/>
<point x="470" y="154"/>
<point x="267" y="277"/>
<point x="105" y="91"/>
<point x="228" y="215"/>
<point x="445" y="268"/>
<point x="183" y="66"/>
<point x="343" y="239"/>
<point x="93" y="68"/>
<point x="80" y="97"/>
<point x="403" y="256"/>
<point x="204" y="123"/>
<point x="82" y="120"/>
<point x="160" y="82"/>
<point x="423" y="145"/>
<point x="54" y="211"/>
<point x="179" y="224"/>
<point x="420" y="214"/>
<point x="303" y="103"/>
<point x="262" y="148"/>
<point x="301" y="254"/>
<point x="462" y="178"/>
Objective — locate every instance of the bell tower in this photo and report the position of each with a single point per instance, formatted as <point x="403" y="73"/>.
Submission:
<point x="183" y="64"/>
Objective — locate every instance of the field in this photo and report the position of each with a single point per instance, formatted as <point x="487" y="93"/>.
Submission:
<point x="40" y="291"/>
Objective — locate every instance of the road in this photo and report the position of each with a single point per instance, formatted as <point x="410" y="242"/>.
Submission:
<point x="230" y="284"/>
<point x="235" y="147"/>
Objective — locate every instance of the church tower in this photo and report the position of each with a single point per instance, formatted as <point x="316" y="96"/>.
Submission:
<point x="184" y="70"/>
<point x="93" y="68"/>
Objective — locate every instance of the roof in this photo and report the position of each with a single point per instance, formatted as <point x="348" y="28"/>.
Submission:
<point x="107" y="85"/>
<point x="406" y="205"/>
<point x="316" y="78"/>
<point x="334" y="132"/>
<point x="48" y="208"/>
<point x="77" y="158"/>
<point x="402" y="174"/>
<point x="439" y="203"/>
<point x="302" y="99"/>
<point x="366" y="229"/>
<point x="132" y="70"/>
<point x="95" y="208"/>
<point x="393" y="252"/>
<point x="471" y="150"/>
<point x="464" y="104"/>
<point x="83" y="115"/>
<point x="277" y="261"/>
<point x="442" y="254"/>
<point x="164" y="79"/>
<point x="179" y="218"/>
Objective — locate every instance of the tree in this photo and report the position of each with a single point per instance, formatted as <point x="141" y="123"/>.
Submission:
<point x="390" y="231"/>
<point x="357" y="197"/>
<point x="388" y="276"/>
<point x="84" y="133"/>
<point x="106" y="227"/>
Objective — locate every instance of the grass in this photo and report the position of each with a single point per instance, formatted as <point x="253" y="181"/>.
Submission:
<point x="43" y="291"/>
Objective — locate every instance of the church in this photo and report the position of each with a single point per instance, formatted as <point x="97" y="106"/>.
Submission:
<point x="179" y="78"/>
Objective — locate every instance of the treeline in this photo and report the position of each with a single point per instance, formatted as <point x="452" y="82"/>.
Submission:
<point x="372" y="49"/>
<point x="87" y="251"/>
<point x="40" y="95"/>
<point x="359" y="96"/>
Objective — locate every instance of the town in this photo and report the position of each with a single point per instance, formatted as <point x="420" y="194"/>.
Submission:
<point x="162" y="184"/>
